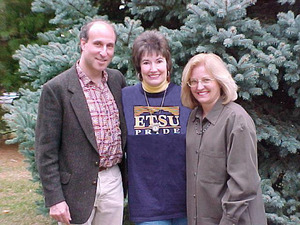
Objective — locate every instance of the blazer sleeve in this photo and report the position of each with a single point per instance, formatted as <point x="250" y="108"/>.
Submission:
<point x="47" y="143"/>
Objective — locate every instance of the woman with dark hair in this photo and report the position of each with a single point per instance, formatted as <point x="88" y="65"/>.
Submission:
<point x="223" y="184"/>
<point x="156" y="125"/>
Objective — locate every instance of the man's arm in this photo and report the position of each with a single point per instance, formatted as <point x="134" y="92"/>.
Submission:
<point x="47" y="144"/>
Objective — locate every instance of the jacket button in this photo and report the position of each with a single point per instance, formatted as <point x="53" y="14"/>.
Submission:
<point x="97" y="163"/>
<point x="94" y="182"/>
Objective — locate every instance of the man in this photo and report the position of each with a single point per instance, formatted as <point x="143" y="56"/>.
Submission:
<point x="78" y="135"/>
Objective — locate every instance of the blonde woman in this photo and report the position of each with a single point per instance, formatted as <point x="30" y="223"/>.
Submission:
<point x="223" y="184"/>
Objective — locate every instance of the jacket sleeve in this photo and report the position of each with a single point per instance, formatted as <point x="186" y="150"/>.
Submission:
<point x="47" y="143"/>
<point x="244" y="181"/>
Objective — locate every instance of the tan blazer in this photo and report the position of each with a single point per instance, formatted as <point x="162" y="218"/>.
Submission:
<point x="65" y="144"/>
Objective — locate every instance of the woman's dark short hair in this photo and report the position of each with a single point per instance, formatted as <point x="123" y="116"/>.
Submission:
<point x="151" y="42"/>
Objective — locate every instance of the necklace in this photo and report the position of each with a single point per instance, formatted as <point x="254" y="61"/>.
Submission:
<point x="155" y="126"/>
<point x="203" y="129"/>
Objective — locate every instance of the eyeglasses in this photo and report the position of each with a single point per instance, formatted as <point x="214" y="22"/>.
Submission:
<point x="194" y="82"/>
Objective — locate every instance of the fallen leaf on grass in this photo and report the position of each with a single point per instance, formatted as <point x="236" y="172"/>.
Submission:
<point x="6" y="211"/>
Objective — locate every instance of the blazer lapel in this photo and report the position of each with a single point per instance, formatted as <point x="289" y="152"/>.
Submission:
<point x="112" y="82"/>
<point x="81" y="109"/>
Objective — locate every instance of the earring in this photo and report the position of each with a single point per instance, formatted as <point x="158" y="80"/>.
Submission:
<point x="139" y="76"/>
<point x="168" y="76"/>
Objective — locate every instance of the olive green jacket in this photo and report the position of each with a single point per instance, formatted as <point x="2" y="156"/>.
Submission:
<point x="223" y="184"/>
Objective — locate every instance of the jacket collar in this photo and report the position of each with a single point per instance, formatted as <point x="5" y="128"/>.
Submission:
<point x="214" y="113"/>
<point x="80" y="106"/>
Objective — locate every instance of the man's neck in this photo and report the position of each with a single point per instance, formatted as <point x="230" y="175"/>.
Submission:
<point x="95" y="76"/>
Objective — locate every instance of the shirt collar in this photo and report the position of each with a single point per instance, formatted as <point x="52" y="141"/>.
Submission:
<point x="85" y="79"/>
<point x="214" y="113"/>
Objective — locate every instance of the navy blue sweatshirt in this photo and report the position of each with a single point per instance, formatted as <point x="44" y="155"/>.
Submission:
<point x="156" y="159"/>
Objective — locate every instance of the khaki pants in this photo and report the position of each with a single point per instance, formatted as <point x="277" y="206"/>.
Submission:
<point x="109" y="202"/>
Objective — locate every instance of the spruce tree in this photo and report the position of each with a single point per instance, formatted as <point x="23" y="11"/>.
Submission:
<point x="263" y="58"/>
<point x="18" y="25"/>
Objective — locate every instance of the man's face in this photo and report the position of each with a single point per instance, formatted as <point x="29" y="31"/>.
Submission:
<point x="98" y="50"/>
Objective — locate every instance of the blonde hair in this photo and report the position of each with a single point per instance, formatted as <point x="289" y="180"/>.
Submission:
<point x="217" y="69"/>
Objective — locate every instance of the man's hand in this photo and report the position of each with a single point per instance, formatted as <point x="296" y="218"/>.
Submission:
<point x="61" y="213"/>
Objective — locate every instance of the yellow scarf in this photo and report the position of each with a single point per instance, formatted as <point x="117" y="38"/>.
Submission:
<point x="150" y="89"/>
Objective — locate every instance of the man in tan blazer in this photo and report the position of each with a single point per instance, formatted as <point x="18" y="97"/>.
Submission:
<point x="79" y="135"/>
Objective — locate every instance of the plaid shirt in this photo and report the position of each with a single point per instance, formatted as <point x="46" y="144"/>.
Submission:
<point x="105" y="118"/>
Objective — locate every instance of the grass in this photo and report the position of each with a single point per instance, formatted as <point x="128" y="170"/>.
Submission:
<point x="17" y="192"/>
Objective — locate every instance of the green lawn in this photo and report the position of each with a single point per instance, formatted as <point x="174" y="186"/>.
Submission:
<point x="17" y="192"/>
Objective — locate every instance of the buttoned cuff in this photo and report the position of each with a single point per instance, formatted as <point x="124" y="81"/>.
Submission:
<point x="226" y="220"/>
